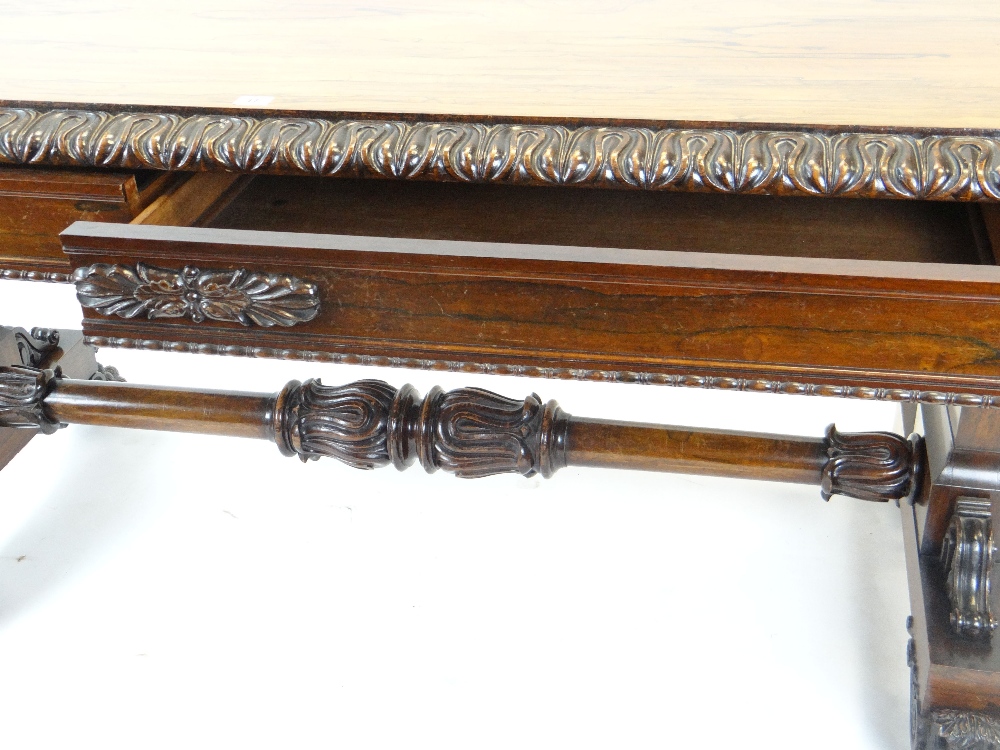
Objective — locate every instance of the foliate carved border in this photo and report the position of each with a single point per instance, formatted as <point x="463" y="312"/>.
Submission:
<point x="712" y="382"/>
<point x="235" y="296"/>
<point x="765" y="162"/>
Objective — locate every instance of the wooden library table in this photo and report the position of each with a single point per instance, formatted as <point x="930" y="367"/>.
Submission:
<point x="801" y="200"/>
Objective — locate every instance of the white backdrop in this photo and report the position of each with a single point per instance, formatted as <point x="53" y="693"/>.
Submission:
<point x="163" y="591"/>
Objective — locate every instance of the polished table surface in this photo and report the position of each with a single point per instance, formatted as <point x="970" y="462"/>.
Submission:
<point x="862" y="63"/>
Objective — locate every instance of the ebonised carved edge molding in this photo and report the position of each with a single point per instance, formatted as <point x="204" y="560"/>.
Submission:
<point x="764" y="162"/>
<point x="712" y="382"/>
<point x="14" y="274"/>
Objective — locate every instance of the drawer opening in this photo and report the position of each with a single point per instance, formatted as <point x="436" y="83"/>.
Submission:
<point x="799" y="227"/>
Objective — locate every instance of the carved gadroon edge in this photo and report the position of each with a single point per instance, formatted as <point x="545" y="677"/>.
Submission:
<point x="22" y="395"/>
<point x="947" y="728"/>
<point x="967" y="559"/>
<point x="234" y="296"/>
<point x="468" y="432"/>
<point x="878" y="466"/>
<point x="684" y="380"/>
<point x="776" y="162"/>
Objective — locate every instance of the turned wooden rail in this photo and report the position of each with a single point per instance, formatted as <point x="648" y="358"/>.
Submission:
<point x="469" y="432"/>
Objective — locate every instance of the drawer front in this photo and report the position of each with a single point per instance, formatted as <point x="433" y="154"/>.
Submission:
<point x="874" y="329"/>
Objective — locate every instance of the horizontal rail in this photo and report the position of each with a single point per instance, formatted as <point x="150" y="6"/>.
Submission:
<point x="468" y="432"/>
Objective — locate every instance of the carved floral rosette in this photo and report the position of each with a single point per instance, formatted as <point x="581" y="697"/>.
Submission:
<point x="235" y="296"/>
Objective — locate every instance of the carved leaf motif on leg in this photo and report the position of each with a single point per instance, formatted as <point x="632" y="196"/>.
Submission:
<point x="967" y="730"/>
<point x="22" y="395"/>
<point x="479" y="433"/>
<point x="876" y="466"/>
<point x="349" y="423"/>
<point x="468" y="432"/>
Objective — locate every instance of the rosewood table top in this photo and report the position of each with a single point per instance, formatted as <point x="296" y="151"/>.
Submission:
<point x="855" y="97"/>
<point x="908" y="64"/>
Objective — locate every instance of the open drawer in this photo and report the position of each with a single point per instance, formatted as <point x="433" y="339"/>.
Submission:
<point x="878" y="299"/>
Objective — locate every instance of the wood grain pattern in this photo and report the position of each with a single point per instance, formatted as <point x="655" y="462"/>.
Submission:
<point x="468" y="432"/>
<point x="72" y="354"/>
<point x="239" y="296"/>
<point x="874" y="329"/>
<point x="187" y="202"/>
<point x="848" y="62"/>
<point x="859" y="164"/>
<point x="38" y="203"/>
<point x="911" y="231"/>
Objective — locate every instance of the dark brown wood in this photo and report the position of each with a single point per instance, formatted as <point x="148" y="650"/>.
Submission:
<point x="468" y="432"/>
<point x="986" y="251"/>
<point x="173" y="409"/>
<point x="913" y="231"/>
<point x="964" y="458"/>
<point x="603" y="443"/>
<point x="37" y="203"/>
<point x="194" y="200"/>
<point x="744" y="157"/>
<point x="65" y="349"/>
<point x="908" y="332"/>
<point x="990" y="218"/>
<point x="956" y="669"/>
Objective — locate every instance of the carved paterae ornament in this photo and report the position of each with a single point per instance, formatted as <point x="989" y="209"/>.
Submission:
<point x="239" y="296"/>
<point x="967" y="557"/>
<point x="877" y="466"/>
<point x="468" y="432"/>
<point x="727" y="160"/>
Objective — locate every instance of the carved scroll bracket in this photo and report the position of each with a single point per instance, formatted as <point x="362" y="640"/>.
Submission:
<point x="878" y="466"/>
<point x="22" y="395"/>
<point x="468" y="432"/>
<point x="240" y="296"/>
<point x="967" y="557"/>
<point x="34" y="347"/>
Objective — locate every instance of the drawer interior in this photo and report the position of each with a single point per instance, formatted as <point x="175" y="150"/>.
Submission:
<point x="898" y="230"/>
<point x="38" y="203"/>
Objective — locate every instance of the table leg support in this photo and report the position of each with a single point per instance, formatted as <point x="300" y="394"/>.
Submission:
<point x="949" y="544"/>
<point x="468" y="432"/>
